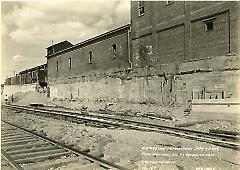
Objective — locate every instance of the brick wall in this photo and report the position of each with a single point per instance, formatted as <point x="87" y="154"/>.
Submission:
<point x="202" y="4"/>
<point x="179" y="29"/>
<point x="142" y="51"/>
<point x="102" y="58"/>
<point x="213" y="42"/>
<point x="141" y="22"/>
<point x="170" y="45"/>
<point x="169" y="12"/>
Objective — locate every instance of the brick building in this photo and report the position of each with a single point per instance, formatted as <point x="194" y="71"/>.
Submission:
<point x="177" y="31"/>
<point x="191" y="48"/>
<point x="58" y="47"/>
<point x="36" y="74"/>
<point x="108" y="51"/>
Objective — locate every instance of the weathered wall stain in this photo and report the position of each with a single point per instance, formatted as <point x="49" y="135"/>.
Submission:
<point x="167" y="84"/>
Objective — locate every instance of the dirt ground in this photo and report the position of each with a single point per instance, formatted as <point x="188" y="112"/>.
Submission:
<point x="147" y="112"/>
<point x="130" y="148"/>
<point x="152" y="113"/>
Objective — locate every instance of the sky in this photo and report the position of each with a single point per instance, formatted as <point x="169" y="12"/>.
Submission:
<point x="28" y="27"/>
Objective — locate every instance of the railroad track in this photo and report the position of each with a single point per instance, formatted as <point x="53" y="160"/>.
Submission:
<point x="24" y="149"/>
<point x="228" y="141"/>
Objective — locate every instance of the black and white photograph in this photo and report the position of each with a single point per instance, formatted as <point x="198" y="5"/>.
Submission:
<point x="120" y="85"/>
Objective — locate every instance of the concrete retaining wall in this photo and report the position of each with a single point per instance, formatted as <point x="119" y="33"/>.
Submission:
<point x="212" y="78"/>
<point x="175" y="83"/>
<point x="216" y="106"/>
<point x="12" y="89"/>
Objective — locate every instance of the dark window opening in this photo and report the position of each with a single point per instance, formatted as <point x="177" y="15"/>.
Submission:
<point x="70" y="63"/>
<point x="222" y="94"/>
<point x="57" y="65"/>
<point x="140" y="8"/>
<point x="114" y="50"/>
<point x="170" y="2"/>
<point x="50" y="51"/>
<point x="209" y="25"/>
<point x="90" y="57"/>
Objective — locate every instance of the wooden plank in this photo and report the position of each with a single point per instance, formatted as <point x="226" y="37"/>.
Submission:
<point x="23" y="146"/>
<point x="51" y="164"/>
<point x="42" y="158"/>
<point x="10" y="134"/>
<point x="7" y="129"/>
<point x="91" y="166"/>
<point x="32" y="150"/>
<point x="14" y="137"/>
<point x="11" y="161"/>
<point x="18" y="142"/>
<point x="37" y="153"/>
<point x="18" y="139"/>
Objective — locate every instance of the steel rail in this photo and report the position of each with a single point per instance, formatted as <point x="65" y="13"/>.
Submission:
<point x="217" y="139"/>
<point x="127" y="120"/>
<point x="11" y="161"/>
<point x="103" y="163"/>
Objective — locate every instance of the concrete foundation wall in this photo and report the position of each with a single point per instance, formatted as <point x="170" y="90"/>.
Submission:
<point x="213" y="78"/>
<point x="12" y="89"/>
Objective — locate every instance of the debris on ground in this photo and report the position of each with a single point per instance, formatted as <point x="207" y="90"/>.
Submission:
<point x="129" y="148"/>
<point x="28" y="98"/>
<point x="147" y="112"/>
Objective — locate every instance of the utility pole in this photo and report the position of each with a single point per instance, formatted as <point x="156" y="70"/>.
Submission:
<point x="52" y="47"/>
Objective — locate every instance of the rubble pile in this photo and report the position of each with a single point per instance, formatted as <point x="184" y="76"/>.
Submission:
<point x="32" y="98"/>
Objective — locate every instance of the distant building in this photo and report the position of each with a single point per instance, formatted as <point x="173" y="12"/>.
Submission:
<point x="105" y="52"/>
<point x="176" y="31"/>
<point x="2" y="88"/>
<point x="36" y="74"/>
